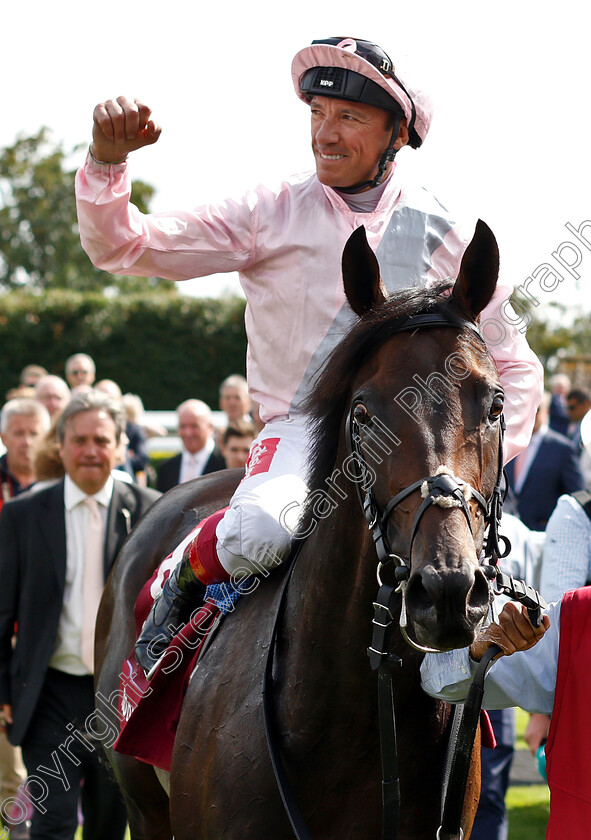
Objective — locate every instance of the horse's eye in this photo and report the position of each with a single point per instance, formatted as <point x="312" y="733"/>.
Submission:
<point x="361" y="414"/>
<point x="496" y="408"/>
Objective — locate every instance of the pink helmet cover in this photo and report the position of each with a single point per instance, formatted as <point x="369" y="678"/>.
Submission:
<point x="344" y="56"/>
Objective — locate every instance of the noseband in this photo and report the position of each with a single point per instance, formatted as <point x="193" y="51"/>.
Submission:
<point x="442" y="489"/>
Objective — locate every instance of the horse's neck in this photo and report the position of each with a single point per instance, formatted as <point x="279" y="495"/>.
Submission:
<point x="333" y="584"/>
<point x="324" y="670"/>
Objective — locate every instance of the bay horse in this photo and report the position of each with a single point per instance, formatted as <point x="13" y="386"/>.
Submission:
<point x="423" y="402"/>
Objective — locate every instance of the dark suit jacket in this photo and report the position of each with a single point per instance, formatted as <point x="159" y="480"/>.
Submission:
<point x="170" y="471"/>
<point x="137" y="444"/>
<point x="559" y="419"/>
<point x="554" y="471"/>
<point x="32" y="575"/>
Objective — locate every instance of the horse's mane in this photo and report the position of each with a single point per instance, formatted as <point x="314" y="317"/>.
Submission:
<point x="330" y="397"/>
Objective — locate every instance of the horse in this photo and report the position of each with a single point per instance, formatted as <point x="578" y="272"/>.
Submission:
<point x="408" y="399"/>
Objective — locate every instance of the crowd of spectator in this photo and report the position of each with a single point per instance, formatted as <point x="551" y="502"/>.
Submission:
<point x="61" y="439"/>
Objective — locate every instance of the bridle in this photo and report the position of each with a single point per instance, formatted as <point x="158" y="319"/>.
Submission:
<point x="443" y="489"/>
<point x="446" y="490"/>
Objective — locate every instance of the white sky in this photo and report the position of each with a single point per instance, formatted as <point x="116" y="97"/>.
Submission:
<point x="510" y="82"/>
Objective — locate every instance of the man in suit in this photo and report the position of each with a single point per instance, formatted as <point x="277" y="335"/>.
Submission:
<point x="199" y="454"/>
<point x="57" y="546"/>
<point x="559" y="388"/>
<point x="578" y="405"/>
<point x="23" y="422"/>
<point x="544" y="471"/>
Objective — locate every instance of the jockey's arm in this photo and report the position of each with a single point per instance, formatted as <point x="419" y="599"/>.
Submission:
<point x="520" y="371"/>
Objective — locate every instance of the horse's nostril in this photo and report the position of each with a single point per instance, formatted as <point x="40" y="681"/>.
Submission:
<point x="479" y="594"/>
<point x="431" y="591"/>
<point x="418" y="598"/>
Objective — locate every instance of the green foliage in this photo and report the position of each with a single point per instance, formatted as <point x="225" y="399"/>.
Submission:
<point x="552" y="332"/>
<point x="528" y="809"/>
<point x="39" y="241"/>
<point x="164" y="348"/>
<point x="555" y="334"/>
<point x="528" y="806"/>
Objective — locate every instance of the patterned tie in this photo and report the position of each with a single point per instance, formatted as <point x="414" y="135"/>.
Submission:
<point x="92" y="580"/>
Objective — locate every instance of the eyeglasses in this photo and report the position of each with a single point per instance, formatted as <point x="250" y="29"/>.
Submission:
<point x="76" y="371"/>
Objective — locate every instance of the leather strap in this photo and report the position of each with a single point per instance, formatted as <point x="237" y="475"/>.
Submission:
<point x="382" y="661"/>
<point x="290" y="804"/>
<point x="460" y="756"/>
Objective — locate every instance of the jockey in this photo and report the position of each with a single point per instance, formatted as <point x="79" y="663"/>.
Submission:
<point x="286" y="243"/>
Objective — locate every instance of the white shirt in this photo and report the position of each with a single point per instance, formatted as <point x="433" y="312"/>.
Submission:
<point x="566" y="562"/>
<point x="526" y="679"/>
<point x="67" y="652"/>
<point x="193" y="463"/>
<point x="525" y="558"/>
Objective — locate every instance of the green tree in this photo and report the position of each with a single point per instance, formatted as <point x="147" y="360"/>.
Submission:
<point x="548" y="338"/>
<point x="165" y="348"/>
<point x="39" y="240"/>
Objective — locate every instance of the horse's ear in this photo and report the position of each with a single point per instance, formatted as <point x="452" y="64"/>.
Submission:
<point x="361" y="274"/>
<point x="479" y="272"/>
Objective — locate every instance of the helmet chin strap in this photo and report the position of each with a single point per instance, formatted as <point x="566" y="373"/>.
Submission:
<point x="386" y="158"/>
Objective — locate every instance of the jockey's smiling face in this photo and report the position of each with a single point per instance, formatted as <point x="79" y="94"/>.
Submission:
<point x="348" y="139"/>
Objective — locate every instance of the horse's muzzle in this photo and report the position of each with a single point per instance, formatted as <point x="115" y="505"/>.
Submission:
<point x="445" y="608"/>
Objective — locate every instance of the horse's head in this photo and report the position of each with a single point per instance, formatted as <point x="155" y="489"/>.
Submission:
<point x="424" y="411"/>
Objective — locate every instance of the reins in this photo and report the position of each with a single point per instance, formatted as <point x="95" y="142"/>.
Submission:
<point x="466" y="716"/>
<point x="290" y="804"/>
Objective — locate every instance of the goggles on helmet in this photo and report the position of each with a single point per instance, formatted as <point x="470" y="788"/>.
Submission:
<point x="370" y="52"/>
<point x="352" y="85"/>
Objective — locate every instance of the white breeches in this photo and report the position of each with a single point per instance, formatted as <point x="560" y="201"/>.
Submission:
<point x="264" y="511"/>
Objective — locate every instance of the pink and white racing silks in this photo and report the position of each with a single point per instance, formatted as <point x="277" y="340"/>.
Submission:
<point x="286" y="243"/>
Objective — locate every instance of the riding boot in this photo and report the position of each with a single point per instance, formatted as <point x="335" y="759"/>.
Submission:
<point x="171" y="610"/>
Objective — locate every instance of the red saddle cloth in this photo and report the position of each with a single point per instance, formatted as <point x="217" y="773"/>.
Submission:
<point x="149" y="712"/>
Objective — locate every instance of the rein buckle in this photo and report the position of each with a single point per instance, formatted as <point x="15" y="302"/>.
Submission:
<point x="383" y="620"/>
